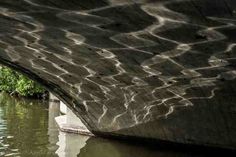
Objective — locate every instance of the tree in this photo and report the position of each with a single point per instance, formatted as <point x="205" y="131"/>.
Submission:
<point x="16" y="83"/>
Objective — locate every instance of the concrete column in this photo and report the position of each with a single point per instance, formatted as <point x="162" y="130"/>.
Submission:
<point x="69" y="122"/>
<point x="63" y="108"/>
<point x="53" y="111"/>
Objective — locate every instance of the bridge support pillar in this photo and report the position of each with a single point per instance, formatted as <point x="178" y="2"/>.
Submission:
<point x="68" y="121"/>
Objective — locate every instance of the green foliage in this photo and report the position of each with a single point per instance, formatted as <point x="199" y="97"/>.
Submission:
<point x="14" y="82"/>
<point x="8" y="79"/>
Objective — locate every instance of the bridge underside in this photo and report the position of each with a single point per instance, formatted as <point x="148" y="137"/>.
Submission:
<point x="155" y="69"/>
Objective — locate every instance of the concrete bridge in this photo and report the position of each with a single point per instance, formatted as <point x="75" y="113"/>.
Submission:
<point x="160" y="70"/>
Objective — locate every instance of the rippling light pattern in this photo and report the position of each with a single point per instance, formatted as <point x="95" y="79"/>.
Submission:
<point x="161" y="69"/>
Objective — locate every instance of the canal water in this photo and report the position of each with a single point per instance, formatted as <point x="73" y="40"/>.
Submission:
<point x="28" y="129"/>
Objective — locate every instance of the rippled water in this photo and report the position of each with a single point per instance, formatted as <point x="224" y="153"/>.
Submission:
<point x="28" y="129"/>
<point x="24" y="128"/>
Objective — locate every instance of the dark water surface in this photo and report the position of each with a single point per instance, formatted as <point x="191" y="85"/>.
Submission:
<point x="28" y="129"/>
